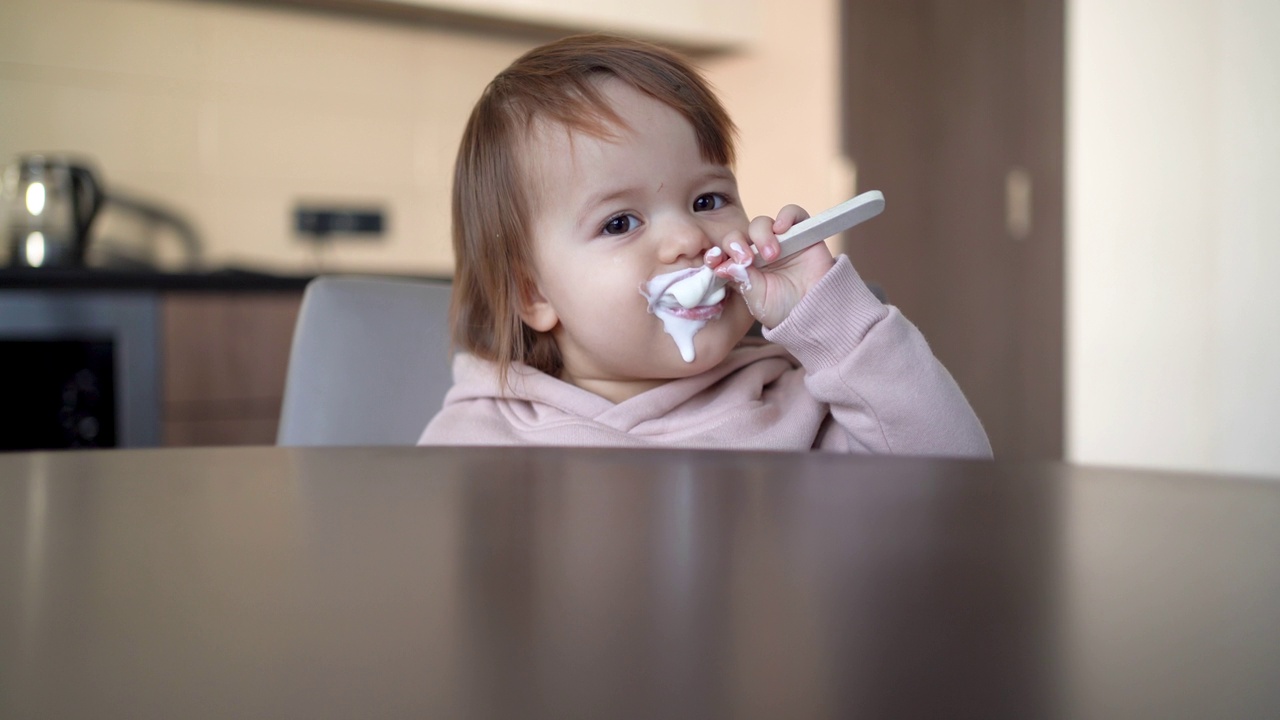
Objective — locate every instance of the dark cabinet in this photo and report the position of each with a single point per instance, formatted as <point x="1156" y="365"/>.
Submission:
<point x="224" y="358"/>
<point x="94" y="359"/>
<point x="955" y="111"/>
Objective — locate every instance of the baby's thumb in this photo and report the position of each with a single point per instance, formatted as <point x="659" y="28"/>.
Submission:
<point x="749" y="281"/>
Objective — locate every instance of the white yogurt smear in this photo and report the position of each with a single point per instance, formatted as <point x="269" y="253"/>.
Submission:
<point x="694" y="291"/>
<point x="685" y="300"/>
<point x="673" y="295"/>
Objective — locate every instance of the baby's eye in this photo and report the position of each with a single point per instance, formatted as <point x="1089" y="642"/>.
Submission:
<point x="709" y="201"/>
<point x="620" y="224"/>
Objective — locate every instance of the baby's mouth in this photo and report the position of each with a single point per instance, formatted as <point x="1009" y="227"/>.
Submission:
<point x="685" y="300"/>
<point x="697" y="312"/>
<point x="692" y="293"/>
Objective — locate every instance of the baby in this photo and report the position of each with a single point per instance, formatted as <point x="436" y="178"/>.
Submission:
<point x="596" y="220"/>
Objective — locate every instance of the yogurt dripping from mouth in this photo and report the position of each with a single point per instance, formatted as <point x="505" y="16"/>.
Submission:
<point x="686" y="300"/>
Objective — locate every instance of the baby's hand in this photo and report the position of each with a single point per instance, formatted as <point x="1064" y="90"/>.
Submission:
<point x="773" y="291"/>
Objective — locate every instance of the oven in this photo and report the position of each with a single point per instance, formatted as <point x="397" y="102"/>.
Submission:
<point x="79" y="369"/>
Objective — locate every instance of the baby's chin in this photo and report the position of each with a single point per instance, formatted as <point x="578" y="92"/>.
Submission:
<point x="711" y="346"/>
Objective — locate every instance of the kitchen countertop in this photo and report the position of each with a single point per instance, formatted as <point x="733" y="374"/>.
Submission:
<point x="231" y="279"/>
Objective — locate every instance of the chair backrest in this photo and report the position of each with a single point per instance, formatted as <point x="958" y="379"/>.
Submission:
<point x="370" y="362"/>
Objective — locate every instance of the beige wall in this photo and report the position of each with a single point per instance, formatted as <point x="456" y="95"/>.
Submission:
<point x="234" y="112"/>
<point x="785" y="97"/>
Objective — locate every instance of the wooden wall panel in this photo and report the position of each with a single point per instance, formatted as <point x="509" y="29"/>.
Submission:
<point x="942" y="101"/>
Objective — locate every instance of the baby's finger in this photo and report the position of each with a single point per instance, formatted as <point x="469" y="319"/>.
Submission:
<point x="736" y="262"/>
<point x="764" y="238"/>
<point x="739" y="269"/>
<point x="714" y="257"/>
<point x="788" y="216"/>
<point x="739" y="252"/>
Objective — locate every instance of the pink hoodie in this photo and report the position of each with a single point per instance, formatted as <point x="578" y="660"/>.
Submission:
<point x="843" y="372"/>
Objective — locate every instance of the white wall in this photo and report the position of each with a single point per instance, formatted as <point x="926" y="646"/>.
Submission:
<point x="1173" y="234"/>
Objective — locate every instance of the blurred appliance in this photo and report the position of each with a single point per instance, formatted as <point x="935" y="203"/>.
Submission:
<point x="81" y="369"/>
<point x="145" y="223"/>
<point x="65" y="398"/>
<point x="48" y="204"/>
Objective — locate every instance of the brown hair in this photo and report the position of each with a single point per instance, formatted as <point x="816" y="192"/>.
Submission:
<point x="491" y="208"/>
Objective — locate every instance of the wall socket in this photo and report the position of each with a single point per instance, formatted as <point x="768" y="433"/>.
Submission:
<point x="318" y="223"/>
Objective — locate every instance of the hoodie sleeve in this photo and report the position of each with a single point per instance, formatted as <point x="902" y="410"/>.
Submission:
<point x="886" y="391"/>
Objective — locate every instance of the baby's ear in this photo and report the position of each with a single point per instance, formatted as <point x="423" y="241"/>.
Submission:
<point x="536" y="311"/>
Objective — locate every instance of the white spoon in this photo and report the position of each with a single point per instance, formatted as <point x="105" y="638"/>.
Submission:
<point x="829" y="222"/>
<point x="699" y="289"/>
<point x="820" y="227"/>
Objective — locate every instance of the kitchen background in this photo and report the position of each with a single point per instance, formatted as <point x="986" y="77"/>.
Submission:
<point x="238" y="111"/>
<point x="235" y="112"/>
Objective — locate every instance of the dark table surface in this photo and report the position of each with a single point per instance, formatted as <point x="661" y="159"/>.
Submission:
<point x="80" y="278"/>
<point x="222" y="279"/>
<point x="371" y="583"/>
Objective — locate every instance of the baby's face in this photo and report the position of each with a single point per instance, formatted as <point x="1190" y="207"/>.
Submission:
<point x="608" y="216"/>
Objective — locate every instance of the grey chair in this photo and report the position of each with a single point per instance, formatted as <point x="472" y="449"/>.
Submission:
<point x="370" y="362"/>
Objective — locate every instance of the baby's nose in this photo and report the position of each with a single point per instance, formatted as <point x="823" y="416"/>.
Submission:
<point x="684" y="238"/>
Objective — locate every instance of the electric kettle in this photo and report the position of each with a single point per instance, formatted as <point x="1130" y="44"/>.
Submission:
<point x="48" y="203"/>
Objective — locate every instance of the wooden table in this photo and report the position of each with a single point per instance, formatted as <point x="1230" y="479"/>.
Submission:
<point x="456" y="583"/>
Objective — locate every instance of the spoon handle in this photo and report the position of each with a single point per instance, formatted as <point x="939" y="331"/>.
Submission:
<point x="830" y="222"/>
